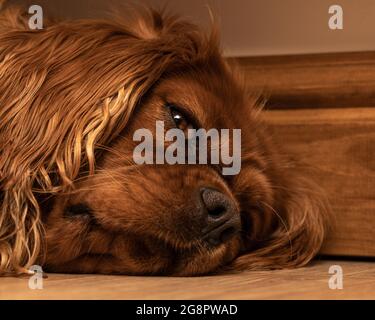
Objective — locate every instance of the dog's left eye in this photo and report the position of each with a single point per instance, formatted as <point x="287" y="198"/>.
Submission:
<point x="180" y="119"/>
<point x="78" y="210"/>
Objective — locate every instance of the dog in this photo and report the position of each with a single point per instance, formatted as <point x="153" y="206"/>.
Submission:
<point x="72" y="199"/>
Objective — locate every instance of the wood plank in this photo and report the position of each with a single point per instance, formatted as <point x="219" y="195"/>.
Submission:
<point x="305" y="283"/>
<point x="337" y="147"/>
<point x="314" y="80"/>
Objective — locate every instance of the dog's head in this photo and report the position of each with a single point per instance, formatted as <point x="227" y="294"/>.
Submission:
<point x="72" y="195"/>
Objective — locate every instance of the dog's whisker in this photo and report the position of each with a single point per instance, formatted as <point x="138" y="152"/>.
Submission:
<point x="284" y="223"/>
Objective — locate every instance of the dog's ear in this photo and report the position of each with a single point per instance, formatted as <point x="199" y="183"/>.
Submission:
<point x="301" y="218"/>
<point x="77" y="86"/>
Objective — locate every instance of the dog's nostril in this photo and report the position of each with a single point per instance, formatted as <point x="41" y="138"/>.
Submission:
<point x="217" y="212"/>
<point x="216" y="203"/>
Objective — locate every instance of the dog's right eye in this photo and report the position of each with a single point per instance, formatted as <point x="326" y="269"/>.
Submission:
<point x="181" y="120"/>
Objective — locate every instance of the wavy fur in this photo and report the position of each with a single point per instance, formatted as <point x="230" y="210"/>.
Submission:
<point x="54" y="112"/>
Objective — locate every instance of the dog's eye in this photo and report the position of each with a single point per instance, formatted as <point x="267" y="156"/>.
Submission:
<point x="78" y="210"/>
<point x="180" y="119"/>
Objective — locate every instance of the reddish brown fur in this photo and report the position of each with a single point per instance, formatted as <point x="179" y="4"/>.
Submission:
<point x="71" y="97"/>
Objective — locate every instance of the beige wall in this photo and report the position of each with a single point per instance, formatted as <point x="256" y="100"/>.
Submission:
<point x="260" y="27"/>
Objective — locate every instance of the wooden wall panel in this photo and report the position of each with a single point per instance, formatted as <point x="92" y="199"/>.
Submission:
<point x="313" y="81"/>
<point x="338" y="146"/>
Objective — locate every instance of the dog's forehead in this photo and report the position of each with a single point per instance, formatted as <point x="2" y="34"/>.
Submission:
<point x="214" y="99"/>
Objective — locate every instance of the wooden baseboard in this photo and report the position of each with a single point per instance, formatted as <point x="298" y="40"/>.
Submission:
<point x="339" y="146"/>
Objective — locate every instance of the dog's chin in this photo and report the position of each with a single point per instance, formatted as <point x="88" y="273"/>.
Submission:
<point x="199" y="259"/>
<point x="208" y="261"/>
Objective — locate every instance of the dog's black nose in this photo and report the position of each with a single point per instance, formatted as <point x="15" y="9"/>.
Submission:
<point x="223" y="218"/>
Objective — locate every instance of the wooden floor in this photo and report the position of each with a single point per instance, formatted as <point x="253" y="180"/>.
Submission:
<point x="306" y="283"/>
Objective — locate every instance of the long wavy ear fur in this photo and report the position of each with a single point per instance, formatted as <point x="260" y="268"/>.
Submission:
<point x="301" y="213"/>
<point x="63" y="90"/>
<point x="298" y="236"/>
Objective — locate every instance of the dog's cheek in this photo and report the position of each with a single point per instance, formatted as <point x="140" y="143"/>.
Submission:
<point x="256" y="196"/>
<point x="63" y="242"/>
<point x="68" y="236"/>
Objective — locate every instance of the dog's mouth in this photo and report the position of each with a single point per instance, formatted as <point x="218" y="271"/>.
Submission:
<point x="198" y="257"/>
<point x="154" y="256"/>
